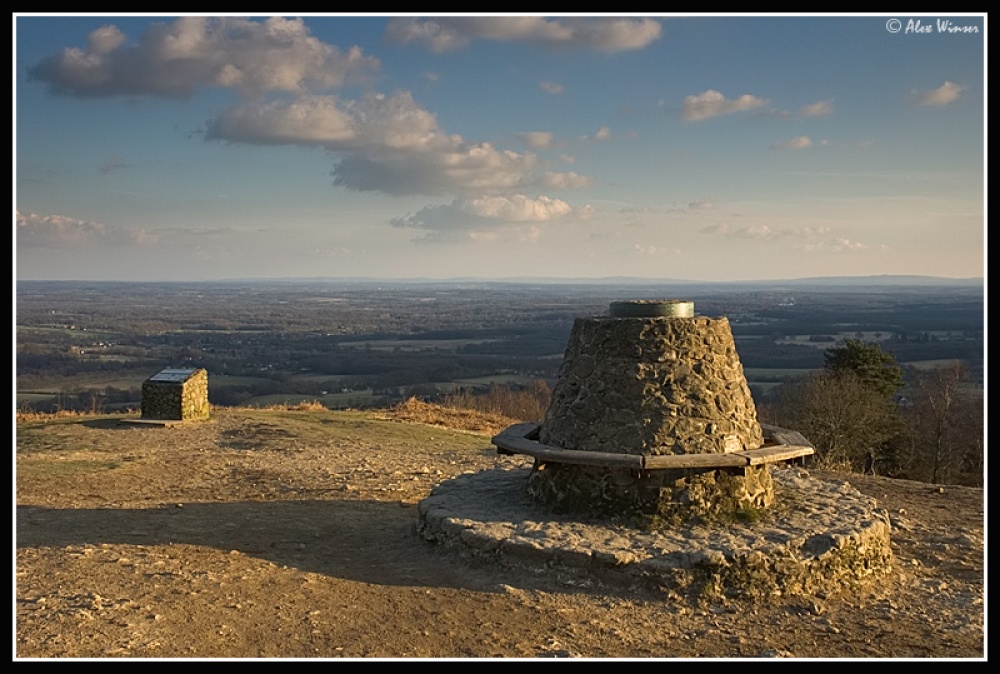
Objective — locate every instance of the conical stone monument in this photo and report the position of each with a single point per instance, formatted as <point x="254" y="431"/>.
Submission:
<point x="652" y="379"/>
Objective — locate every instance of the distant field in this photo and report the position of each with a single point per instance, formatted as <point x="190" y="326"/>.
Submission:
<point x="79" y="382"/>
<point x="932" y="364"/>
<point x="29" y="398"/>
<point x="839" y="337"/>
<point x="413" y="344"/>
<point x="233" y="380"/>
<point x="316" y="376"/>
<point x="771" y="374"/>
<point x="331" y="400"/>
<point x="496" y="379"/>
<point x="764" y="385"/>
<point x="62" y="330"/>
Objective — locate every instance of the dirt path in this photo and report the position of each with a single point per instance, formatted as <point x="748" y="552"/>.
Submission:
<point x="285" y="534"/>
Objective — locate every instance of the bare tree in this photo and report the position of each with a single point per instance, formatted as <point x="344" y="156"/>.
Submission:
<point x="948" y="430"/>
<point x="850" y="423"/>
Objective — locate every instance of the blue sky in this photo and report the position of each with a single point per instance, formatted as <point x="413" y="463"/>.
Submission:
<point x="715" y="148"/>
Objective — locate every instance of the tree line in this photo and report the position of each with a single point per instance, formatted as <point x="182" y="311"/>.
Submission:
<point x="853" y="410"/>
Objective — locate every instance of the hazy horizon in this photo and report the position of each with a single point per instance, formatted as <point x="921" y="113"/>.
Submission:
<point x="885" y="280"/>
<point x="703" y="148"/>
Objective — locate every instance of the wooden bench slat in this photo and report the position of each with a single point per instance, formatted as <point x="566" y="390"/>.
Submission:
<point x="551" y="453"/>
<point x="776" y="453"/>
<point x="734" y="460"/>
<point x="783" y="436"/>
<point x="520" y="439"/>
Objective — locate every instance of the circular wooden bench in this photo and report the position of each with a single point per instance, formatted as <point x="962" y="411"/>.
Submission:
<point x="780" y="444"/>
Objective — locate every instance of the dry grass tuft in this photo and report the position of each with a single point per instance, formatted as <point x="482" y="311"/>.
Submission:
<point x="303" y="406"/>
<point x="25" y="414"/>
<point x="414" y="410"/>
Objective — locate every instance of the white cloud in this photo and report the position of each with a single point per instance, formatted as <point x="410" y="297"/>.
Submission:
<point x="651" y="250"/>
<point x="712" y="103"/>
<point x="517" y="208"/>
<point x="943" y="95"/>
<point x="701" y="204"/>
<point x="490" y="218"/>
<point x="551" y="87"/>
<point x="838" y="245"/>
<point x="60" y="231"/>
<point x="105" y="39"/>
<point x="325" y="121"/>
<point x="742" y="232"/>
<point x="331" y="252"/>
<point x="565" y="180"/>
<point x="604" y="133"/>
<point x="174" y="60"/>
<point x="537" y="139"/>
<point x="808" y="239"/>
<point x="386" y="143"/>
<point x="441" y="34"/>
<point x="764" y="232"/>
<point x="817" y="109"/>
<point x="57" y="231"/>
<point x="797" y="143"/>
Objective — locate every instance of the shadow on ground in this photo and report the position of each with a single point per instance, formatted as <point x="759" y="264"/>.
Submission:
<point x="365" y="541"/>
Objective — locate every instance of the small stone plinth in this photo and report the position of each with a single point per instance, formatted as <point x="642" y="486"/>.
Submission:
<point x="176" y="394"/>
<point x="821" y="536"/>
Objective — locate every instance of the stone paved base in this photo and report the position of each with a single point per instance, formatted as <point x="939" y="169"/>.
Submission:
<point x="819" y="537"/>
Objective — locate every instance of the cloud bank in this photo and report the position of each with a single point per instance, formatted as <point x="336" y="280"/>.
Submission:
<point x="384" y="143"/>
<point x="943" y="95"/>
<point x="60" y="231"/>
<point x="797" y="143"/>
<point x="174" y="60"/>
<point x="813" y="239"/>
<point x="763" y="232"/>
<point x="490" y="218"/>
<point x="388" y="144"/>
<point x="817" y="109"/>
<point x="443" y="34"/>
<point x="712" y="103"/>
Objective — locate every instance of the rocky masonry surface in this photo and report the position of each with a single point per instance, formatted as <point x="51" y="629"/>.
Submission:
<point x="824" y="536"/>
<point x="653" y="386"/>
<point x="176" y="394"/>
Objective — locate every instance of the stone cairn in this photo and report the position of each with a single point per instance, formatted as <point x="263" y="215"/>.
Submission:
<point x="650" y="463"/>
<point x="652" y="380"/>
<point x="176" y="394"/>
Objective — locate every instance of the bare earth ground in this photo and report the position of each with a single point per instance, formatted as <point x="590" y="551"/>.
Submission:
<point x="290" y="534"/>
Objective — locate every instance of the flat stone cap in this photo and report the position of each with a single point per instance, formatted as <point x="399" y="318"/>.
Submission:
<point x="652" y="308"/>
<point x="173" y="375"/>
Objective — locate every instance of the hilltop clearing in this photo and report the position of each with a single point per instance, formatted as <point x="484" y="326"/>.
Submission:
<point x="289" y="533"/>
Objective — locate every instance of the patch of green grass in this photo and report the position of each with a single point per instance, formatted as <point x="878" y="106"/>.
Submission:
<point x="748" y="514"/>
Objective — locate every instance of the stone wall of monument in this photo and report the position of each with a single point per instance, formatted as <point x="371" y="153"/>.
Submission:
<point x="176" y="400"/>
<point x="652" y="386"/>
